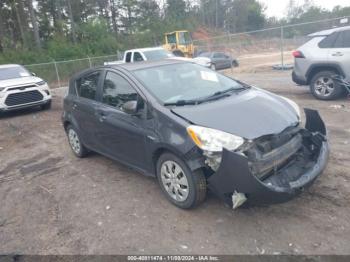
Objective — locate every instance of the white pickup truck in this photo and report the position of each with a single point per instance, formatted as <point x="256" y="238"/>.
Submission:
<point x="142" y="54"/>
<point x="154" y="53"/>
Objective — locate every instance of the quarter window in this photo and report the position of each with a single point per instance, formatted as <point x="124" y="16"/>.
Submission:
<point x="117" y="91"/>
<point x="87" y="85"/>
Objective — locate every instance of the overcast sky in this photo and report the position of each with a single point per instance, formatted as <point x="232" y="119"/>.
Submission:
<point x="278" y="7"/>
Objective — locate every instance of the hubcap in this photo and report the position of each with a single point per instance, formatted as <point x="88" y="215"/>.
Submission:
<point x="174" y="181"/>
<point x="74" y="141"/>
<point x="324" y="86"/>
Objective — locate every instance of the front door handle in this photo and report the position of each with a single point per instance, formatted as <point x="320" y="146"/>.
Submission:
<point x="102" y="118"/>
<point x="74" y="106"/>
<point x="338" y="54"/>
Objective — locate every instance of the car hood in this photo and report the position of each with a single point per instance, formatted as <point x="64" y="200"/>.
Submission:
<point x="20" y="81"/>
<point x="250" y="114"/>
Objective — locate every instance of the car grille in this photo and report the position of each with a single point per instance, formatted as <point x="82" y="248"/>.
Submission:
<point x="23" y="98"/>
<point x="20" y="87"/>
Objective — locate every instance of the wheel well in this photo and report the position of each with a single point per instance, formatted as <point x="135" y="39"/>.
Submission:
<point x="66" y="124"/>
<point x="318" y="69"/>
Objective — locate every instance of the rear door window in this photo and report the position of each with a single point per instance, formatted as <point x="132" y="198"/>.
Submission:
<point x="87" y="85"/>
<point x="329" y="41"/>
<point x="343" y="40"/>
<point x="138" y="57"/>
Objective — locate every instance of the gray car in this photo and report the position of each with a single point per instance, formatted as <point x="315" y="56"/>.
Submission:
<point x="220" y="60"/>
<point x="324" y="57"/>
<point x="194" y="129"/>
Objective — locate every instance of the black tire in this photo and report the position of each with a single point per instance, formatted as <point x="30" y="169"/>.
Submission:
<point x="46" y="106"/>
<point x="234" y="63"/>
<point x="178" y="53"/>
<point x="197" y="185"/>
<point x="329" y="95"/>
<point x="83" y="151"/>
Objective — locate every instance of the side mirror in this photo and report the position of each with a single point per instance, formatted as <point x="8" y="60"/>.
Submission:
<point x="33" y="74"/>
<point x="130" y="107"/>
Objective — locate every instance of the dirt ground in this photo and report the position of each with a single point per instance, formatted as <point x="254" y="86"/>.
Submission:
<point x="54" y="203"/>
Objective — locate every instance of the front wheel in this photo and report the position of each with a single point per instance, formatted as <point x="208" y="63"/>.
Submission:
<point x="46" y="106"/>
<point x="213" y="67"/>
<point x="181" y="186"/>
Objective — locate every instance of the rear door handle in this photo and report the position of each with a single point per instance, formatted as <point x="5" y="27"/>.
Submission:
<point x="101" y="116"/>
<point x="74" y="106"/>
<point x="338" y="54"/>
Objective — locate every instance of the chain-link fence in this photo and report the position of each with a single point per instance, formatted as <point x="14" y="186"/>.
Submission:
<point x="254" y="50"/>
<point x="267" y="47"/>
<point x="57" y="73"/>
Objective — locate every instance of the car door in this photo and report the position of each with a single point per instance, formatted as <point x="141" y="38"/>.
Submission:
<point x="340" y="53"/>
<point x="83" y="107"/>
<point x="121" y="135"/>
<point x="217" y="60"/>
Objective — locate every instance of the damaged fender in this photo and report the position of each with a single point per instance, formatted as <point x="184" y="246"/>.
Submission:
<point x="235" y="176"/>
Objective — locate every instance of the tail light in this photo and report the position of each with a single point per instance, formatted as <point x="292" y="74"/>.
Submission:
<point x="298" y="54"/>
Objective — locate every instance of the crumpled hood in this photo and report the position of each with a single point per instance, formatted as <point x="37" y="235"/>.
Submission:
<point x="20" y="81"/>
<point x="250" y="114"/>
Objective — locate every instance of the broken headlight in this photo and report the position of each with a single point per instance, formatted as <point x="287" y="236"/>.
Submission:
<point x="213" y="140"/>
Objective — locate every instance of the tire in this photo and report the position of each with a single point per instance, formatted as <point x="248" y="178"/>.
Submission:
<point x="178" y="53"/>
<point x="167" y="165"/>
<point x="213" y="67"/>
<point x="77" y="147"/>
<point x="234" y="63"/>
<point x="323" y="87"/>
<point x="46" y="106"/>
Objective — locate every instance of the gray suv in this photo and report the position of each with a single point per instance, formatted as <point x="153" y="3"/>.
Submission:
<point x="325" y="56"/>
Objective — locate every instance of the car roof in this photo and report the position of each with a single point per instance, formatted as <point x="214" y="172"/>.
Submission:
<point x="9" y="66"/>
<point x="329" y="31"/>
<point x="146" y="49"/>
<point x="147" y="64"/>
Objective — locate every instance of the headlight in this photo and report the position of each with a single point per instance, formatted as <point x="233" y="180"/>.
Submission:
<point x="213" y="140"/>
<point x="293" y="104"/>
<point x="41" y="83"/>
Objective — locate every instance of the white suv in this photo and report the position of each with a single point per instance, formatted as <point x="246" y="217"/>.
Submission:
<point x="321" y="60"/>
<point x="21" y="89"/>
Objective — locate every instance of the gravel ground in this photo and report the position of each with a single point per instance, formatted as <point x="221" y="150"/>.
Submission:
<point x="54" y="203"/>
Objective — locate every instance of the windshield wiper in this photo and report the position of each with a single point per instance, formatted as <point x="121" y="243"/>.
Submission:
<point x="183" y="103"/>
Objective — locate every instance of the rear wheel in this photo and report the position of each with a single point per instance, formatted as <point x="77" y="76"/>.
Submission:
<point x="181" y="186"/>
<point x="75" y="142"/>
<point x="323" y="86"/>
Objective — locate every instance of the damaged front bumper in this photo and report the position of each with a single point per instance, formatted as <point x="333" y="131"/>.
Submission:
<point x="235" y="182"/>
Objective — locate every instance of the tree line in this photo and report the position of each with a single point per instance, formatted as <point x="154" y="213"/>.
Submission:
<point x="41" y="30"/>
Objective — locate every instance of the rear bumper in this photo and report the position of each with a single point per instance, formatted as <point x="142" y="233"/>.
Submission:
<point x="235" y="175"/>
<point x="298" y="80"/>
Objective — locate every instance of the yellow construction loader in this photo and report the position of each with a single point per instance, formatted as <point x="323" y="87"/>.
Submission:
<point x="179" y="43"/>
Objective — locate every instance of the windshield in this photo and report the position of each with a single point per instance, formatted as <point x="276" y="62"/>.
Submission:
<point x="13" y="72"/>
<point x="184" y="38"/>
<point x="157" y="54"/>
<point x="184" y="82"/>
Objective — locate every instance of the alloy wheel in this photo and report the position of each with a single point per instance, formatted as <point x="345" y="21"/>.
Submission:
<point x="324" y="86"/>
<point x="174" y="181"/>
<point x="74" y="141"/>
